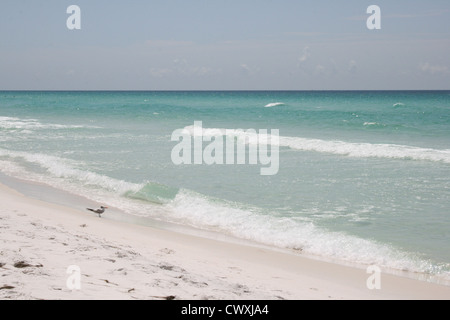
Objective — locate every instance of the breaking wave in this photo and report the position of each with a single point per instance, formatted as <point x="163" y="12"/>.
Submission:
<point x="274" y="104"/>
<point x="342" y="148"/>
<point x="187" y="207"/>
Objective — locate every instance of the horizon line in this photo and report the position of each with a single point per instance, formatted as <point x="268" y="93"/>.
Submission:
<point x="214" y="90"/>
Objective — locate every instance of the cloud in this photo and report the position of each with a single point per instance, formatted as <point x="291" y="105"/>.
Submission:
<point x="334" y="68"/>
<point x="320" y="70"/>
<point x="304" y="34"/>
<point x="429" y="13"/>
<point x="302" y="61"/>
<point x="160" y="72"/>
<point x="433" y="69"/>
<point x="352" y="67"/>
<point x="247" y="70"/>
<point x="305" y="56"/>
<point x="168" y="43"/>
<point x="204" y="71"/>
<point x="181" y="67"/>
<point x="180" y="62"/>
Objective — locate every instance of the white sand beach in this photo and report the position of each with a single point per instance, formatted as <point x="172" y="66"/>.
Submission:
<point x="117" y="260"/>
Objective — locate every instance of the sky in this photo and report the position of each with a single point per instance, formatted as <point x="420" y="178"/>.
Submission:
<point x="224" y="45"/>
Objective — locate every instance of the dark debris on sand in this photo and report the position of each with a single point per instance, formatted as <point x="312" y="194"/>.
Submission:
<point x="23" y="264"/>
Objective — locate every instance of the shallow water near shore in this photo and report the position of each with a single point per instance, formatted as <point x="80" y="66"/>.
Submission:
<point x="364" y="176"/>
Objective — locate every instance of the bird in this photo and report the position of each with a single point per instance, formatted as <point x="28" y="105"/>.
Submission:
<point x="98" y="211"/>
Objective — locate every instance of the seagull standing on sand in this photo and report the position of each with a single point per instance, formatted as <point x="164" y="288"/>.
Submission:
<point x="98" y="211"/>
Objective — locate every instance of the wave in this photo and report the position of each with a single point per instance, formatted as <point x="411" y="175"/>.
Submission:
<point x="342" y="148"/>
<point x="186" y="207"/>
<point x="373" y="124"/>
<point x="67" y="169"/>
<point x="200" y="211"/>
<point x="274" y="104"/>
<point x="153" y="192"/>
<point x="367" y="150"/>
<point x="32" y="124"/>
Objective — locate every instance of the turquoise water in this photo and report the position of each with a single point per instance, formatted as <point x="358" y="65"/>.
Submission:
<point x="363" y="176"/>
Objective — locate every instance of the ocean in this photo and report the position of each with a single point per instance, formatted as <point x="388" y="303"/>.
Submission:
<point x="363" y="177"/>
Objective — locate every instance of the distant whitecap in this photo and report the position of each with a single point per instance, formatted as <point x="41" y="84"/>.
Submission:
<point x="274" y="104"/>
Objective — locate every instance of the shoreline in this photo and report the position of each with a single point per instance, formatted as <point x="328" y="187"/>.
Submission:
<point x="120" y="260"/>
<point x="50" y="194"/>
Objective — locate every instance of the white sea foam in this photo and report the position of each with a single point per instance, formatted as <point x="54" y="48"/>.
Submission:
<point x="200" y="211"/>
<point x="67" y="169"/>
<point x="194" y="209"/>
<point x="243" y="136"/>
<point x="350" y="149"/>
<point x="274" y="104"/>
<point x="367" y="150"/>
<point x="372" y="124"/>
<point x="32" y="124"/>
